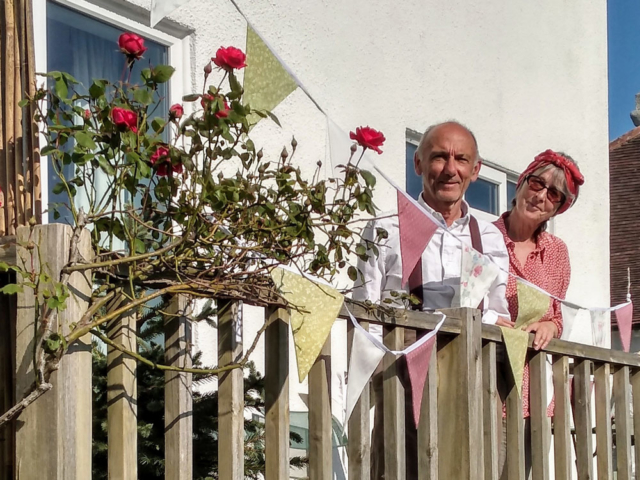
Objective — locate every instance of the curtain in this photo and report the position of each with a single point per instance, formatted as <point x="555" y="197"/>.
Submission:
<point x="19" y="153"/>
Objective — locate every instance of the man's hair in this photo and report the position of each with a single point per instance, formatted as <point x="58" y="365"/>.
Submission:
<point x="426" y="133"/>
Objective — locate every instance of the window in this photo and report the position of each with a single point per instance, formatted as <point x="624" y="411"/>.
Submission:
<point x="80" y="38"/>
<point x="489" y="196"/>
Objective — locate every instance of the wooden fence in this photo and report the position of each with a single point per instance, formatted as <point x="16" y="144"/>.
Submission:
<point x="460" y="422"/>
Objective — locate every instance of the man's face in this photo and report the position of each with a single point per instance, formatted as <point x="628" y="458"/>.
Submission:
<point x="447" y="165"/>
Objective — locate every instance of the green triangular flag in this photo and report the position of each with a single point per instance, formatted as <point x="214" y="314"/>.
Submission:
<point x="516" y="342"/>
<point x="266" y="82"/>
<point x="532" y="305"/>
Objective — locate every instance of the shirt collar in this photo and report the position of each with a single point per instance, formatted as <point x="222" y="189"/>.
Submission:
<point x="542" y="242"/>
<point x="462" y="221"/>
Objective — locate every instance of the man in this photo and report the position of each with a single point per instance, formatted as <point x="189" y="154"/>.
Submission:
<point x="447" y="159"/>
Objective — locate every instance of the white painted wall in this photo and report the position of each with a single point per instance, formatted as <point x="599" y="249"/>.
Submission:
<point x="524" y="76"/>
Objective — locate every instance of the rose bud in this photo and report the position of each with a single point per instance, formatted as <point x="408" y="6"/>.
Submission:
<point x="87" y="114"/>
<point x="176" y="111"/>
<point x="230" y="58"/>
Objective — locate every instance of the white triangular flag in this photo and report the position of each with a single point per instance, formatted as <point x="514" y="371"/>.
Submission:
<point x="163" y="8"/>
<point x="572" y="321"/>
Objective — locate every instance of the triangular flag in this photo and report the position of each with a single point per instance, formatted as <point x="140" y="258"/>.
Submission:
<point x="477" y="275"/>
<point x="266" y="82"/>
<point x="319" y="305"/>
<point x="532" y="304"/>
<point x="624" y="316"/>
<point x="163" y="8"/>
<point x="415" y="233"/>
<point x="600" y="325"/>
<point x="418" y="361"/>
<point x="571" y="317"/>
<point x="516" y="342"/>
<point x="365" y="358"/>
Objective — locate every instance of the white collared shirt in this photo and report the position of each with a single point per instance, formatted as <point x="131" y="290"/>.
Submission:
<point x="441" y="265"/>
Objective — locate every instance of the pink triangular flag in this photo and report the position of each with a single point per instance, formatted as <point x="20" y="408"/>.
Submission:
<point x="415" y="232"/>
<point x="624" y="316"/>
<point x="418" y="361"/>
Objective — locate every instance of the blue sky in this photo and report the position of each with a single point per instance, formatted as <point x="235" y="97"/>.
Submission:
<point x="624" y="63"/>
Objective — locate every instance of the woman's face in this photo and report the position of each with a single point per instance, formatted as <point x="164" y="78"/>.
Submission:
<point x="532" y="199"/>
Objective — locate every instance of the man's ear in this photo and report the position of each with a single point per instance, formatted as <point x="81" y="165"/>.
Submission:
<point x="416" y="164"/>
<point x="476" y="170"/>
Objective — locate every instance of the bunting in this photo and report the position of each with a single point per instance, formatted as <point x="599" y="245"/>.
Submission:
<point x="516" y="342"/>
<point x="266" y="82"/>
<point x="476" y="277"/>
<point x="624" y="317"/>
<point x="600" y="325"/>
<point x="418" y="361"/>
<point x="572" y="318"/>
<point x="532" y="305"/>
<point x="415" y="234"/>
<point x="314" y="309"/>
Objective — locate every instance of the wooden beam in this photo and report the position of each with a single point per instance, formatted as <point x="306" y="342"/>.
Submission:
<point x="622" y="399"/>
<point x="515" y="433"/>
<point x="53" y="437"/>
<point x="562" y="417"/>
<point x="582" y="415"/>
<point x="359" y="445"/>
<point x="320" y="420"/>
<point x="393" y="407"/>
<point x="635" y="384"/>
<point x="604" y="442"/>
<point x="492" y="411"/>
<point x="178" y="395"/>
<point x="8" y="250"/>
<point x="276" y="388"/>
<point x="428" y="426"/>
<point x="540" y="434"/>
<point x="230" y="393"/>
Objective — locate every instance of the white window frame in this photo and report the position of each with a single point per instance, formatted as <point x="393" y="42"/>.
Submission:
<point x="179" y="55"/>
<point x="499" y="176"/>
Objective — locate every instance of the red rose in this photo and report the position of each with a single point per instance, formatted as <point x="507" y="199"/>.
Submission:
<point x="224" y="113"/>
<point x="176" y="111"/>
<point x="87" y="114"/>
<point x="125" y="118"/>
<point x="162" y="161"/>
<point x="230" y="58"/>
<point x="132" y="45"/>
<point x="367" y="137"/>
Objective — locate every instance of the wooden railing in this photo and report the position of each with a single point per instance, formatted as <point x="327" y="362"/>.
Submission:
<point x="458" y="435"/>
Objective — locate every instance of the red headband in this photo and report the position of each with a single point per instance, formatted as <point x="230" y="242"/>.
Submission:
<point x="572" y="174"/>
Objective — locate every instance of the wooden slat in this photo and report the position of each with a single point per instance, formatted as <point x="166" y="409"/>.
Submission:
<point x="320" y="421"/>
<point x="276" y="389"/>
<point x="423" y="320"/>
<point x="359" y="445"/>
<point x="622" y="399"/>
<point x="515" y="432"/>
<point x="604" y="442"/>
<point x="428" y="426"/>
<point x="122" y="400"/>
<point x="53" y="437"/>
<point x="491" y="411"/>
<point x="582" y="416"/>
<point x="540" y="434"/>
<point x="8" y="250"/>
<point x="178" y="396"/>
<point x="230" y="393"/>
<point x="635" y="383"/>
<point x="7" y="371"/>
<point x="562" y="418"/>
<point x="393" y="408"/>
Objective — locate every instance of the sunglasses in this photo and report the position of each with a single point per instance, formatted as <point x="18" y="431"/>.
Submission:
<point x="537" y="184"/>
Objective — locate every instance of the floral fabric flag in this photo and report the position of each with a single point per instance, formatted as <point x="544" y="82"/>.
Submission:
<point x="416" y="231"/>
<point x="516" y="342"/>
<point x="476" y="276"/>
<point x="624" y="316"/>
<point x="532" y="304"/>
<point x="363" y="361"/>
<point x="317" y="306"/>
<point x="600" y="326"/>
<point x="266" y="82"/>
<point x="418" y="361"/>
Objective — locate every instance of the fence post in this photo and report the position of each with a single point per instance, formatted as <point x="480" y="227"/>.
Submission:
<point x="359" y="445"/>
<point x="230" y="393"/>
<point x="393" y="406"/>
<point x="320" y="420"/>
<point x="582" y="413"/>
<point x="178" y="397"/>
<point x="53" y="435"/>
<point x="276" y="392"/>
<point x="460" y="428"/>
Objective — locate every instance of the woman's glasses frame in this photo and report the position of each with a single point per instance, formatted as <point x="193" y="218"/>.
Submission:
<point x="537" y="184"/>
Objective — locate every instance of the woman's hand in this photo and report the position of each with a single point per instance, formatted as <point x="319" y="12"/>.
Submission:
<point x="503" y="322"/>
<point x="544" y="331"/>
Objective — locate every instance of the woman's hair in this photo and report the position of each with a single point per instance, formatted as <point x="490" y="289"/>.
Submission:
<point x="558" y="179"/>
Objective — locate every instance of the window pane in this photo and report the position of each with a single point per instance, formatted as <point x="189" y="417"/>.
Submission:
<point x="88" y="49"/>
<point x="413" y="181"/>
<point x="483" y="195"/>
<point x="511" y="193"/>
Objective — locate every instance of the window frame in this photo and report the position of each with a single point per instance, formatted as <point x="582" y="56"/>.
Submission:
<point x="177" y="43"/>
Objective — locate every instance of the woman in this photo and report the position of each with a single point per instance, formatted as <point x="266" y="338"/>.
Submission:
<point x="548" y="187"/>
